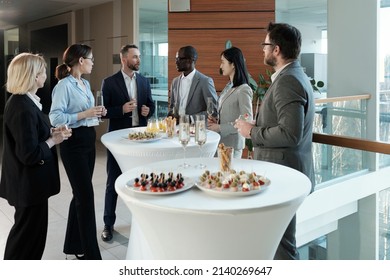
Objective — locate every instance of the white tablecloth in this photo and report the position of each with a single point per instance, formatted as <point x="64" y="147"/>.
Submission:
<point x="195" y="225"/>
<point x="130" y="154"/>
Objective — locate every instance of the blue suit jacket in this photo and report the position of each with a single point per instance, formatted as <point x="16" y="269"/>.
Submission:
<point x="115" y="95"/>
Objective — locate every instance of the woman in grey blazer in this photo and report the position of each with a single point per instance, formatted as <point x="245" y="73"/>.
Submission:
<point x="234" y="100"/>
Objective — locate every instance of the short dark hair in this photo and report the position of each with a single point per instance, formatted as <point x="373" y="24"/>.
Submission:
<point x="287" y="37"/>
<point x="190" y="52"/>
<point x="125" y="48"/>
<point x="234" y="55"/>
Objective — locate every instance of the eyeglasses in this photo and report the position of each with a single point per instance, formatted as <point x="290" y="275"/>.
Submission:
<point x="91" y="58"/>
<point x="267" y="44"/>
<point x="181" y="58"/>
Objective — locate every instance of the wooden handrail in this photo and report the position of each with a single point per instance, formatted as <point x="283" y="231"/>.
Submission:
<point x="353" y="143"/>
<point x="342" y="98"/>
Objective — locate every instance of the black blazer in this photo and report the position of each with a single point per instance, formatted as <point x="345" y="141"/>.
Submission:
<point x="30" y="172"/>
<point x="115" y="95"/>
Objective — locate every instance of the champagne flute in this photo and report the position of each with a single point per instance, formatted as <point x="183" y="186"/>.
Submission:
<point x="184" y="135"/>
<point x="99" y="102"/>
<point x="200" y="135"/>
<point x="210" y="107"/>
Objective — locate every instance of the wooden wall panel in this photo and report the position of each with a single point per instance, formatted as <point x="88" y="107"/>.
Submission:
<point x="210" y="44"/>
<point x="232" y="5"/>
<point x="210" y="24"/>
<point x="214" y="20"/>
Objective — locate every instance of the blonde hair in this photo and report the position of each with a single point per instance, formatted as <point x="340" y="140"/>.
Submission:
<point x="23" y="71"/>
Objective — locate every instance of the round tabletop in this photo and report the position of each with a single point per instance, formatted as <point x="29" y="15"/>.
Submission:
<point x="131" y="154"/>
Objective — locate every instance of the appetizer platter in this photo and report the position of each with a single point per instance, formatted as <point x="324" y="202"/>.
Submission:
<point x="142" y="136"/>
<point x="160" y="183"/>
<point x="232" y="183"/>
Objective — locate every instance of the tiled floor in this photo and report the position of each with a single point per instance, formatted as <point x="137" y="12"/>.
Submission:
<point x="59" y="204"/>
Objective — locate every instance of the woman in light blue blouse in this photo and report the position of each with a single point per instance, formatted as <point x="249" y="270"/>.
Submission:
<point x="73" y="105"/>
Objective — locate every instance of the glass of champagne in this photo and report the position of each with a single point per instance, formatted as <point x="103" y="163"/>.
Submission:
<point x="200" y="135"/>
<point x="99" y="102"/>
<point x="184" y="135"/>
<point x="210" y="107"/>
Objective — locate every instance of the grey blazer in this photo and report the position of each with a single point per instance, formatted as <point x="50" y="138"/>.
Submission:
<point x="201" y="88"/>
<point x="233" y="103"/>
<point x="283" y="131"/>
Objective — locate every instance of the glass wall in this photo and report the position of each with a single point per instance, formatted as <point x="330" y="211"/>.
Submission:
<point x="384" y="78"/>
<point x="153" y="43"/>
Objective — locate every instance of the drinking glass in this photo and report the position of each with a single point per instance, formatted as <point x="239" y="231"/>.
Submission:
<point x="184" y="135"/>
<point x="66" y="132"/>
<point x="99" y="102"/>
<point x="162" y="125"/>
<point x="210" y="106"/>
<point x="200" y="135"/>
<point x="152" y="125"/>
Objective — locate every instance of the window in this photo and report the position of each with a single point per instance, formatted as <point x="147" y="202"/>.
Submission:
<point x="153" y="44"/>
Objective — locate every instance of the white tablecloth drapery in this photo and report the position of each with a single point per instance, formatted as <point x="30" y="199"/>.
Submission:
<point x="196" y="225"/>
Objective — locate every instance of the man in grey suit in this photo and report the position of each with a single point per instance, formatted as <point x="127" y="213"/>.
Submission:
<point x="282" y="132"/>
<point x="190" y="90"/>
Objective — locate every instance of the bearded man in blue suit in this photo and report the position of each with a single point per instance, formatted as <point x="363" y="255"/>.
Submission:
<point x="128" y="99"/>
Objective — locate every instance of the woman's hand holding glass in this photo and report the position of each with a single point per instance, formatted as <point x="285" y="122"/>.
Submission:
<point x="60" y="133"/>
<point x="212" y="123"/>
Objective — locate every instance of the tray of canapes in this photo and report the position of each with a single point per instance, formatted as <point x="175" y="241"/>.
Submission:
<point x="160" y="183"/>
<point x="142" y="136"/>
<point x="232" y="183"/>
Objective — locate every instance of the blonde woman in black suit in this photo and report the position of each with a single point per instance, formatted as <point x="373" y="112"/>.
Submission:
<point x="234" y="100"/>
<point x="29" y="173"/>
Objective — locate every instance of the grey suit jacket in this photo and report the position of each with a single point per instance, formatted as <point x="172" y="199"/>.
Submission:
<point x="233" y="103"/>
<point x="283" y="131"/>
<point x="201" y="88"/>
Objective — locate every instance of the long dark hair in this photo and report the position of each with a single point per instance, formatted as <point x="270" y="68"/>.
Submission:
<point x="234" y="55"/>
<point x="71" y="58"/>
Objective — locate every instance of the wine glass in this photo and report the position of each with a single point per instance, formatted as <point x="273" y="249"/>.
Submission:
<point x="200" y="135"/>
<point x="184" y="135"/>
<point x="99" y="102"/>
<point x="210" y="107"/>
<point x="66" y="132"/>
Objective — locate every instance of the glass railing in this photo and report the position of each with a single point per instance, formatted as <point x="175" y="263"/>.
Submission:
<point x="384" y="124"/>
<point x="344" y="118"/>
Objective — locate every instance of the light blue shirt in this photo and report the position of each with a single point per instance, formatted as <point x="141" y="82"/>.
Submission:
<point x="69" y="99"/>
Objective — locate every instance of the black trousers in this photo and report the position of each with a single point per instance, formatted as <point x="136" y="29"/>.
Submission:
<point x="27" y="238"/>
<point x="111" y="197"/>
<point x="287" y="249"/>
<point x="78" y="156"/>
